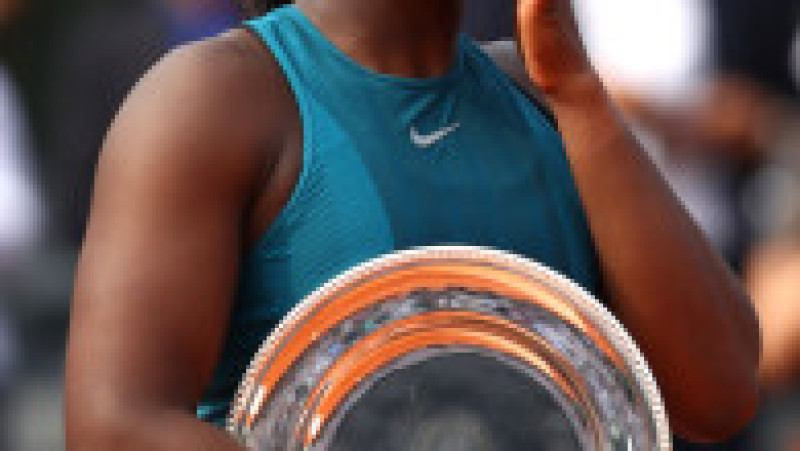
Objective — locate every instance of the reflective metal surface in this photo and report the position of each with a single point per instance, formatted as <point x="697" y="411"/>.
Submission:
<point x="450" y="348"/>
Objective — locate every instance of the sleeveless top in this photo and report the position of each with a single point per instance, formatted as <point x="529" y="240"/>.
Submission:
<point x="393" y="163"/>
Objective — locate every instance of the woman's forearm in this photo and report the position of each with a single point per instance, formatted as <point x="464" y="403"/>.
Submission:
<point x="671" y="290"/>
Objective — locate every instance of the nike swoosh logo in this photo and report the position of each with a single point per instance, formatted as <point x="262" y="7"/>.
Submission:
<point x="425" y="141"/>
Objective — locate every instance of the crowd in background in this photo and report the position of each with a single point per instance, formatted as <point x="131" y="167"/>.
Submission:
<point x="711" y="88"/>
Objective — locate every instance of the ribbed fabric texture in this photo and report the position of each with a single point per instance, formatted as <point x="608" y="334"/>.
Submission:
<point x="500" y="179"/>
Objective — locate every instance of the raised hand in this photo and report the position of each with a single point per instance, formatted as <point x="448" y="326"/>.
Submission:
<point x="551" y="46"/>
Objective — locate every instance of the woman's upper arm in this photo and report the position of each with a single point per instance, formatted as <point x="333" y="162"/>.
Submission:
<point x="157" y="272"/>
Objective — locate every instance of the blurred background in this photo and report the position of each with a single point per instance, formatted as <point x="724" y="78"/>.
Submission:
<point x="710" y="87"/>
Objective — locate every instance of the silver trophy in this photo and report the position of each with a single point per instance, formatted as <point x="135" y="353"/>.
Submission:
<point x="450" y="348"/>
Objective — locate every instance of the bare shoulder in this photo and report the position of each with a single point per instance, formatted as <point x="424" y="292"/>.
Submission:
<point x="222" y="100"/>
<point x="231" y="70"/>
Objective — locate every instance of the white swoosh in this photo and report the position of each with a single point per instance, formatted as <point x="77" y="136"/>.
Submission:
<point x="424" y="141"/>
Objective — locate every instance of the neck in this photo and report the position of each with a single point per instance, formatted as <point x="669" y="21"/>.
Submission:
<point x="407" y="38"/>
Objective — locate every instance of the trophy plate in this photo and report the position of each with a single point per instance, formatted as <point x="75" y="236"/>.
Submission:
<point x="450" y="348"/>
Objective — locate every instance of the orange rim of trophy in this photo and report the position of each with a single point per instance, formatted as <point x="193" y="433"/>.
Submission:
<point x="337" y="302"/>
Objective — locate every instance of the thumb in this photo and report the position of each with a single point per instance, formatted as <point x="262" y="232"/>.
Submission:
<point x="549" y="41"/>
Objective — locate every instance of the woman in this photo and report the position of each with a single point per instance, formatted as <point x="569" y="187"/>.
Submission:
<point x="246" y="170"/>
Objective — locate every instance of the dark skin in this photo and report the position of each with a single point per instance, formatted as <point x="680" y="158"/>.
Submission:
<point x="147" y="325"/>
<point x="206" y="151"/>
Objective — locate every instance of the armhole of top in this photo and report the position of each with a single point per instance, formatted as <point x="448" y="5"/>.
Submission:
<point x="504" y="54"/>
<point x="289" y="209"/>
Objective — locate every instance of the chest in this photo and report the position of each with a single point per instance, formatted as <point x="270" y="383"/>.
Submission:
<point x="363" y="192"/>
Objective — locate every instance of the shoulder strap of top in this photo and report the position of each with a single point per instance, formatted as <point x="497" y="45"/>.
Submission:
<point x="277" y="32"/>
<point x="506" y="56"/>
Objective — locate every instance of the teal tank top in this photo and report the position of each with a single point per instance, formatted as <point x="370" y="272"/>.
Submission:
<point x="394" y="163"/>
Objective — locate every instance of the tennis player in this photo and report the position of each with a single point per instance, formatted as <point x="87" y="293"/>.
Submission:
<point x="246" y="170"/>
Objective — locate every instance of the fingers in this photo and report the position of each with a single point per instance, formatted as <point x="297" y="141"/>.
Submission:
<point x="550" y="43"/>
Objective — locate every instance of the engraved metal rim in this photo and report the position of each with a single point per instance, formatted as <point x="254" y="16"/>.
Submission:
<point x="590" y="307"/>
<point x="362" y="293"/>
